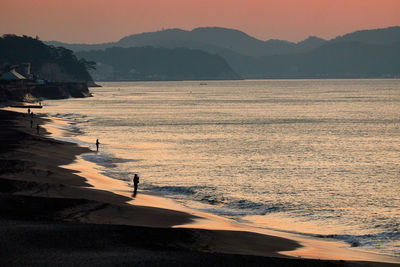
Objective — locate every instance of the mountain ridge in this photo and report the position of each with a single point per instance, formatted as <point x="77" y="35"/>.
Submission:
<point x="218" y="36"/>
<point x="372" y="36"/>
<point x="349" y="59"/>
<point x="246" y="54"/>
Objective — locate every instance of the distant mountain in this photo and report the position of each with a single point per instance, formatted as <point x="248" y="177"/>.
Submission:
<point x="223" y="38"/>
<point x="47" y="62"/>
<point x="253" y="58"/>
<point x="234" y="40"/>
<point x="310" y="43"/>
<point x="383" y="36"/>
<point x="236" y="47"/>
<point x="332" y="60"/>
<point x="149" y="63"/>
<point x="81" y="47"/>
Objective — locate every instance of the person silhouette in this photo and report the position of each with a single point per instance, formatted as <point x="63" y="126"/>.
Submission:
<point x="31" y="123"/>
<point x="135" y="184"/>
<point x="97" y="145"/>
<point x="37" y="128"/>
<point x="29" y="111"/>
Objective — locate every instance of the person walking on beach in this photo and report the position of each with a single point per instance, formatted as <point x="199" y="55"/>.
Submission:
<point x="97" y="145"/>
<point x="32" y="114"/>
<point x="29" y="111"/>
<point x="37" y="129"/>
<point x="135" y="184"/>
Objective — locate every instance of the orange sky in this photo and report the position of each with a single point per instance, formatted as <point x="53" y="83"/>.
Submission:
<point x="94" y="21"/>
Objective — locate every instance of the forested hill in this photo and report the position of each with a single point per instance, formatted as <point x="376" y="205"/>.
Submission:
<point x="149" y="63"/>
<point x="47" y="62"/>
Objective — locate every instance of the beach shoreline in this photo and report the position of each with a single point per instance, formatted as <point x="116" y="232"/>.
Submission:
<point x="82" y="198"/>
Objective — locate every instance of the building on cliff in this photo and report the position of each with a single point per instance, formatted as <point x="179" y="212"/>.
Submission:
<point x="15" y="87"/>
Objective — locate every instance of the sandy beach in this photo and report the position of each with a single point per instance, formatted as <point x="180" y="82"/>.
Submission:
<point x="57" y="210"/>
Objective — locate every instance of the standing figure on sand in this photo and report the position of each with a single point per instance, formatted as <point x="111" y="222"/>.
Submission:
<point x="97" y="145"/>
<point x="135" y="184"/>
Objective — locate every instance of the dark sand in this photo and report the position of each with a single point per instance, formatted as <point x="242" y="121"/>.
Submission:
<point x="44" y="210"/>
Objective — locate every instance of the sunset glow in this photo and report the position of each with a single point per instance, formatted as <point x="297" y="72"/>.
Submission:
<point x="200" y="132"/>
<point x="95" y="21"/>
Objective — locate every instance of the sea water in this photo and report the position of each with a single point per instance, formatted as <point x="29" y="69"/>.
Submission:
<point x="318" y="157"/>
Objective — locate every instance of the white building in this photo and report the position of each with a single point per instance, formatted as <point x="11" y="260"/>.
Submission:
<point x="12" y="75"/>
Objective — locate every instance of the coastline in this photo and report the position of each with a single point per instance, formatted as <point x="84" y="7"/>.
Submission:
<point x="81" y="199"/>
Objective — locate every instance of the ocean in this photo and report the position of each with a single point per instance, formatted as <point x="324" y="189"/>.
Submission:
<point x="315" y="157"/>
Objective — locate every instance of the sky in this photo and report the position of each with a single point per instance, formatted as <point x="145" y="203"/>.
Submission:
<point x="96" y="21"/>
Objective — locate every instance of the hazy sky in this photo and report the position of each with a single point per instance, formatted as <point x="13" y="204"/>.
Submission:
<point x="93" y="21"/>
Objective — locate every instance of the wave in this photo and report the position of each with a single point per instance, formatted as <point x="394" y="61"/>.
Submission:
<point x="243" y="207"/>
<point x="106" y="160"/>
<point x="172" y="190"/>
<point x="69" y="116"/>
<point x="214" y="202"/>
<point x="376" y="241"/>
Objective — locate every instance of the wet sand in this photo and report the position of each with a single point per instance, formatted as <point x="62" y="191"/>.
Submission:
<point x="53" y="215"/>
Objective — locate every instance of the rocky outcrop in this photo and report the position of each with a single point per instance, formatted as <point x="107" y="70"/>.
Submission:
<point x="60" y="90"/>
<point x="19" y="91"/>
